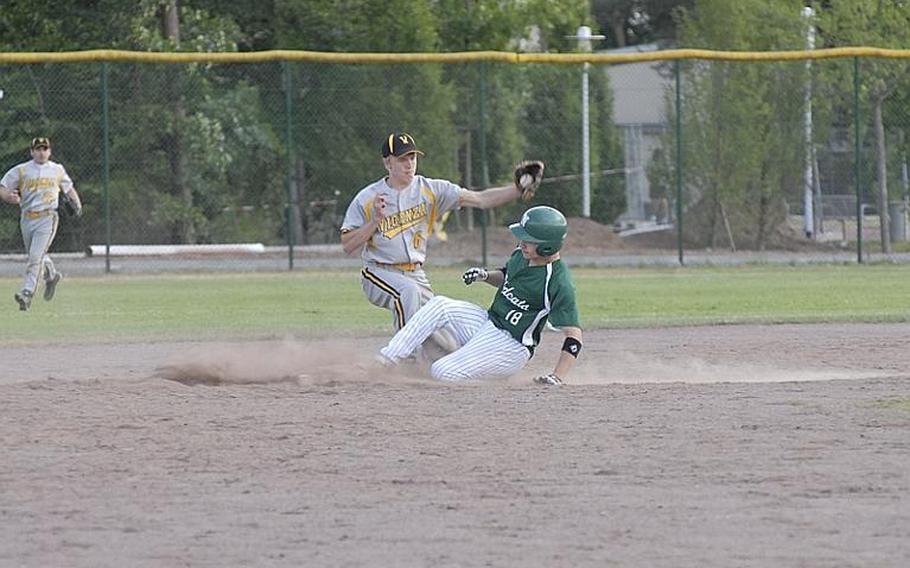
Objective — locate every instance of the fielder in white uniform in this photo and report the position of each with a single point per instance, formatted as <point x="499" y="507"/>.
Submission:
<point x="35" y="186"/>
<point x="533" y="287"/>
<point x="390" y="221"/>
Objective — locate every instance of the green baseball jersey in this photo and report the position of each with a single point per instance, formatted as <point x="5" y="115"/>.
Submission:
<point x="530" y="295"/>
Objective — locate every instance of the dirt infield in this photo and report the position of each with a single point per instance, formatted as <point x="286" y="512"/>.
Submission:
<point x="718" y="446"/>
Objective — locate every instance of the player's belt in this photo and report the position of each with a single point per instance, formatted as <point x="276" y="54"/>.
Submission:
<point x="37" y="214"/>
<point x="404" y="266"/>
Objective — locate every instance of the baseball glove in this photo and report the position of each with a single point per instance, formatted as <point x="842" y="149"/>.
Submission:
<point x="528" y="175"/>
<point x="67" y="206"/>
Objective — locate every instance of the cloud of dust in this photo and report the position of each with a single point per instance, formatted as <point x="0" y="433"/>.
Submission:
<point x="351" y="361"/>
<point x="287" y="360"/>
<point x="631" y="369"/>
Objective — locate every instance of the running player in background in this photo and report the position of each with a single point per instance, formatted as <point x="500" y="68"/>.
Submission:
<point x="533" y="287"/>
<point x="35" y="186"/>
<point x="390" y="221"/>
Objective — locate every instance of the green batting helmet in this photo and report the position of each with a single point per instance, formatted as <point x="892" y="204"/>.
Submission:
<point x="542" y="225"/>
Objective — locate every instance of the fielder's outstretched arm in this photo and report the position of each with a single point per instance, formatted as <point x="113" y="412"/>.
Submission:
<point x="489" y="198"/>
<point x="566" y="356"/>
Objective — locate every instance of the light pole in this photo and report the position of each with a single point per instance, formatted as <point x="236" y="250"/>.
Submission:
<point x="584" y="37"/>
<point x="808" y="209"/>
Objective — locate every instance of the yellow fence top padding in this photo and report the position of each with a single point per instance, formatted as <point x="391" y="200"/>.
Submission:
<point x="114" y="55"/>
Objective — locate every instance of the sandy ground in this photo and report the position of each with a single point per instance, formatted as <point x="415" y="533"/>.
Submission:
<point x="719" y="446"/>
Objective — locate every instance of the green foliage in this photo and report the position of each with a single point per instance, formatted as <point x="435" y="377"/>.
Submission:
<point x="227" y="147"/>
<point x="62" y="25"/>
<point x="741" y="123"/>
<point x="632" y="22"/>
<point x="344" y="112"/>
<point x="327" y="25"/>
<point x="503" y="103"/>
<point x="553" y="130"/>
<point x="9" y="229"/>
<point x="553" y="116"/>
<point x="608" y="199"/>
<point x="478" y="25"/>
<point x="554" y="20"/>
<point x="877" y="23"/>
<point x="901" y="404"/>
<point x="199" y="152"/>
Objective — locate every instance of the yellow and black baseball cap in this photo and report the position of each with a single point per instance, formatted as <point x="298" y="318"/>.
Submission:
<point x="41" y="142"/>
<point x="399" y="144"/>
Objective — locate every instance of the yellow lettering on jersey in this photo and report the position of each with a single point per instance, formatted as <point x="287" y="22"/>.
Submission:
<point x="37" y="184"/>
<point x="394" y="225"/>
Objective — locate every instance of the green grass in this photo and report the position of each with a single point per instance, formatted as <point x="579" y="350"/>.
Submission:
<point x="901" y="404"/>
<point x="754" y="294"/>
<point x="313" y="303"/>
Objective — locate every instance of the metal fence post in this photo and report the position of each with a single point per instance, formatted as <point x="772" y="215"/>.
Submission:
<point x="106" y="165"/>
<point x="679" y="196"/>
<point x="484" y="159"/>
<point x="289" y="208"/>
<point x="856" y="163"/>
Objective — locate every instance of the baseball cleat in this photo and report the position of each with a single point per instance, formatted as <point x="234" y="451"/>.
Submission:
<point x="384" y="361"/>
<point x="25" y="300"/>
<point x="50" y="286"/>
<point x="550" y="379"/>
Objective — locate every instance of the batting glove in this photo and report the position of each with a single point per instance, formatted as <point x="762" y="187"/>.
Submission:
<point x="474" y="274"/>
<point x="550" y="379"/>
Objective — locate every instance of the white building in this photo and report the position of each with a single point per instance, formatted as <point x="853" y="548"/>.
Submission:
<point x="640" y="92"/>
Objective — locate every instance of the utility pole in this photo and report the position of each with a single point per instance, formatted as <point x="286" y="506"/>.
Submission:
<point x="584" y="37"/>
<point x="808" y="203"/>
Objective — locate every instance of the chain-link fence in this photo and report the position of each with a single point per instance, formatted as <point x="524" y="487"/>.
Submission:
<point x="802" y="155"/>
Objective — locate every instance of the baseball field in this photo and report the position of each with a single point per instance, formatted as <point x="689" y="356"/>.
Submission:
<point x="745" y="416"/>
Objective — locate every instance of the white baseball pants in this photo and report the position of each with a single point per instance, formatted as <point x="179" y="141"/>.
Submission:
<point x="403" y="294"/>
<point x="485" y="351"/>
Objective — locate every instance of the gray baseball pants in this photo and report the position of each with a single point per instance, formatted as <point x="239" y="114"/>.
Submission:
<point x="38" y="234"/>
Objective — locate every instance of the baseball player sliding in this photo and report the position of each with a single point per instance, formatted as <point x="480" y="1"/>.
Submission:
<point x="36" y="186"/>
<point x="533" y="287"/>
<point x="390" y="221"/>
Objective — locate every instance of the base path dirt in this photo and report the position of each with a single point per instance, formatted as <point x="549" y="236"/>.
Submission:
<point x="717" y="446"/>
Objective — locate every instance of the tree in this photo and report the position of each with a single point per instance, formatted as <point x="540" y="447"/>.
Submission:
<point x="342" y="112"/>
<point x="878" y="23"/>
<point x="174" y="147"/>
<point x="64" y="25"/>
<point x="550" y="113"/>
<point x="191" y="129"/>
<point x="632" y="22"/>
<point x="194" y="143"/>
<point x="742" y="121"/>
